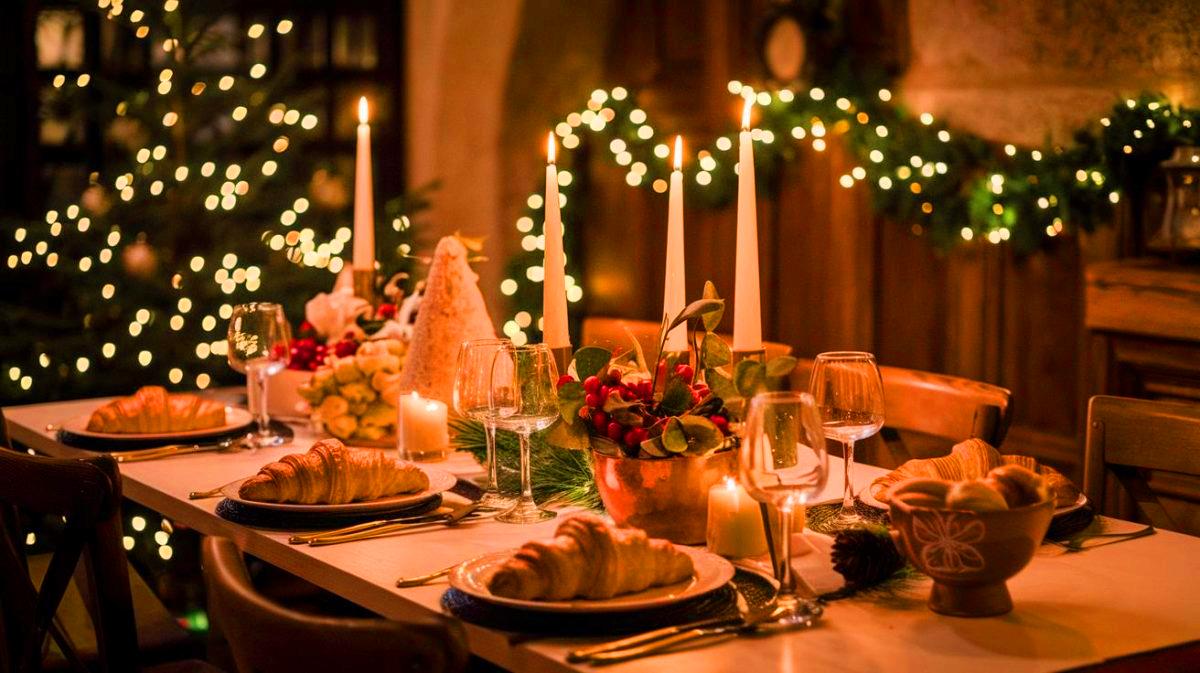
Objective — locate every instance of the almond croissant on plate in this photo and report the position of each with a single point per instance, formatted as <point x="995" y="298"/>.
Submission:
<point x="153" y="409"/>
<point x="589" y="559"/>
<point x="331" y="474"/>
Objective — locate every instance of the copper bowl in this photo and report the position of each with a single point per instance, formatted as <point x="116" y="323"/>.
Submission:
<point x="666" y="497"/>
<point x="969" y="555"/>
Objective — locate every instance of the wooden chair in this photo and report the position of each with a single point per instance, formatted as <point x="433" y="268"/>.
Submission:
<point x="86" y="494"/>
<point x="927" y="413"/>
<point x="614" y="333"/>
<point x="1126" y="440"/>
<point x="266" y="637"/>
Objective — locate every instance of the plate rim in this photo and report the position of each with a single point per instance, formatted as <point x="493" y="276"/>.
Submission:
<point x="447" y="482"/>
<point x="724" y="573"/>
<point x="77" y="425"/>
<point x="868" y="499"/>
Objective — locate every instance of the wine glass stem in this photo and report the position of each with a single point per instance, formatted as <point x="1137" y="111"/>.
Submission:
<point x="256" y="399"/>
<point x="526" y="472"/>
<point x="493" y="482"/>
<point x="787" y="585"/>
<point x="848" y="490"/>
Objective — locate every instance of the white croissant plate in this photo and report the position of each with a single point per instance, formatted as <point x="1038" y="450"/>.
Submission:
<point x="439" y="481"/>
<point x="235" y="419"/>
<point x="711" y="573"/>
<point x="868" y="499"/>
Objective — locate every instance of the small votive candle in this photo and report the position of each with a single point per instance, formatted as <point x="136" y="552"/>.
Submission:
<point x="422" y="432"/>
<point x="735" y="527"/>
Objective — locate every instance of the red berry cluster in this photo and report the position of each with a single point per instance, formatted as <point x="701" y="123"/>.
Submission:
<point x="599" y="389"/>
<point x="308" y="354"/>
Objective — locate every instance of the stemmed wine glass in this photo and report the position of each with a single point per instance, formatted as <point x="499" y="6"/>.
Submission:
<point x="849" y="391"/>
<point x="472" y="399"/>
<point x="524" y="400"/>
<point x="259" y="346"/>
<point x="783" y="461"/>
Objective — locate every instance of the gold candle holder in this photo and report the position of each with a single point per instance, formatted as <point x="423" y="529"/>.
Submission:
<point x="562" y="358"/>
<point x="364" y="284"/>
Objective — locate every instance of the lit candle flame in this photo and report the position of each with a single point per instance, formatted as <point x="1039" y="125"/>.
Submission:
<point x="550" y="147"/>
<point x="415" y="395"/>
<point x="678" y="152"/>
<point x="730" y="484"/>
<point x="746" y="113"/>
<point x="362" y="110"/>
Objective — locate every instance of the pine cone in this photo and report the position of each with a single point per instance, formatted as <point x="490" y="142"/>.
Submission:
<point x="865" y="556"/>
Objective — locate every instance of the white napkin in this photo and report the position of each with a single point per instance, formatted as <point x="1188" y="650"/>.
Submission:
<point x="812" y="563"/>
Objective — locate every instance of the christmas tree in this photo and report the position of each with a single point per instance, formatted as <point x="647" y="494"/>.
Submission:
<point x="206" y="199"/>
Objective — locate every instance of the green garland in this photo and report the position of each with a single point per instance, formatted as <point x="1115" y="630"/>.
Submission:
<point x="947" y="186"/>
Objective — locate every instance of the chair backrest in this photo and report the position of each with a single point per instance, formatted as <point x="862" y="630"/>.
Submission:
<point x="938" y="407"/>
<point x="266" y="637"/>
<point x="86" y="494"/>
<point x="615" y="332"/>
<point x="1126" y="438"/>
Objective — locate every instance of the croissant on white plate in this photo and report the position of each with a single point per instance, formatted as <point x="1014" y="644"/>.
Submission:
<point x="331" y="474"/>
<point x="973" y="459"/>
<point x="153" y="409"/>
<point x="589" y="559"/>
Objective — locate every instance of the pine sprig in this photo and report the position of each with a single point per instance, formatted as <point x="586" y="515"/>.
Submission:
<point x="559" y="475"/>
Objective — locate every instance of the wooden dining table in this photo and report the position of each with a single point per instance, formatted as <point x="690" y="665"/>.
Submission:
<point x="1073" y="608"/>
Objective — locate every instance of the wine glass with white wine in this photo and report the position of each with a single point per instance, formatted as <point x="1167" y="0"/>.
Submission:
<point x="524" y="399"/>
<point x="259" y="346"/>
<point x="472" y="399"/>
<point x="848" y="390"/>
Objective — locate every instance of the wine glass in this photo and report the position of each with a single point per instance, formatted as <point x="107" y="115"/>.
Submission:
<point x="524" y="399"/>
<point x="849" y="391"/>
<point x="472" y="399"/>
<point x="783" y="461"/>
<point x="259" y="346"/>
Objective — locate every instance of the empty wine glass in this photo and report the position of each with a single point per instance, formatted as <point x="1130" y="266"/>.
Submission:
<point x="472" y="399"/>
<point x="524" y="400"/>
<point x="783" y="461"/>
<point x="259" y="346"/>
<point x="849" y="392"/>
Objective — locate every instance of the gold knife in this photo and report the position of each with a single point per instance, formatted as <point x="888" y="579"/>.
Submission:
<point x="450" y="519"/>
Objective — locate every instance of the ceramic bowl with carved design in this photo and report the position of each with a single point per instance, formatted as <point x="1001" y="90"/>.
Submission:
<point x="970" y="555"/>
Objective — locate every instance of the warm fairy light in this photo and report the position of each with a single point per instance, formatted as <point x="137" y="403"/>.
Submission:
<point x="362" y="110"/>
<point x="746" y="113"/>
<point x="678" y="153"/>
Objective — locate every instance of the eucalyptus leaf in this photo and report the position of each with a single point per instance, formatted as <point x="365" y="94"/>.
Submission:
<point x="781" y="366"/>
<point x="714" y="352"/>
<point x="571" y="398"/>
<point x="591" y="360"/>
<point x="713" y="318"/>
<point x="623" y="411"/>
<point x="654" y="447"/>
<point x="568" y="434"/>
<point x="606" y="446"/>
<point x="702" y="434"/>
<point x="677" y="397"/>
<point x="696" y="309"/>
<point x="721" y="385"/>
<point x="749" y="377"/>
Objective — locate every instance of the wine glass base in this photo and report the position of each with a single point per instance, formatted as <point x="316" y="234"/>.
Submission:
<point x="257" y="441"/>
<point x="494" y="500"/>
<point x="795" y="614"/>
<point x="526" y="511"/>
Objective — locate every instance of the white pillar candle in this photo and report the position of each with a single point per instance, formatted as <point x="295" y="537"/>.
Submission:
<point x="555" y="332"/>
<point x="364" y="195"/>
<point x="423" y="430"/>
<point x="674" y="290"/>
<point x="735" y="527"/>
<point x="747" y="311"/>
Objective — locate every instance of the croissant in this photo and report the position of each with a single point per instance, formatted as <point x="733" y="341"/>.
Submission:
<point x="973" y="459"/>
<point x="590" y="559"/>
<point x="153" y="409"/>
<point x="331" y="474"/>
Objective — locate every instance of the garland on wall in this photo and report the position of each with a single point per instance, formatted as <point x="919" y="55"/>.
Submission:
<point x="947" y="186"/>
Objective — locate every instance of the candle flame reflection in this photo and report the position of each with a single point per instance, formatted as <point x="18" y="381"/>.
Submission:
<point x="362" y="110"/>
<point x="746" y="113"/>
<point x="550" y="146"/>
<point x="678" y="152"/>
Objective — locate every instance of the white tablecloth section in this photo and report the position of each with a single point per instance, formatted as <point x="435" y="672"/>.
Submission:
<point x="1072" y="608"/>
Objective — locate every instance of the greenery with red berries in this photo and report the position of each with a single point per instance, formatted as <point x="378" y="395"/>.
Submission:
<point x="614" y="404"/>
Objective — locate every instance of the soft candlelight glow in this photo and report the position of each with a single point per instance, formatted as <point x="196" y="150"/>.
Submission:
<point x="734" y="525"/>
<point x="423" y="431"/>
<point x="746" y="113"/>
<point x="362" y="110"/>
<point x="550" y="147"/>
<point x="678" y="153"/>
